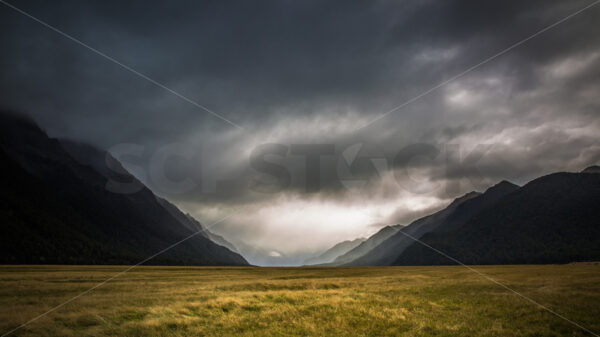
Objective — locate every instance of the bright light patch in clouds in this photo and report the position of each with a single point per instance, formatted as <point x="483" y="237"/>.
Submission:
<point x="461" y="97"/>
<point x="295" y="225"/>
<point x="299" y="225"/>
<point x="437" y="55"/>
<point x="572" y="66"/>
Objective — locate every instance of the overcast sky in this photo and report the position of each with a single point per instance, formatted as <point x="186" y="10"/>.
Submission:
<point x="313" y="72"/>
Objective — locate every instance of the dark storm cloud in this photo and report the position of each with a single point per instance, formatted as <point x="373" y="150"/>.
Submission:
<point x="266" y="55"/>
<point x="294" y="72"/>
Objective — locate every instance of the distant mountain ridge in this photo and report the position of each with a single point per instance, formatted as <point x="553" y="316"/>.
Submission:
<point x="108" y="166"/>
<point x="591" y="169"/>
<point x="552" y="219"/>
<point x="56" y="209"/>
<point x="388" y="250"/>
<point x="480" y="202"/>
<point x="194" y="225"/>
<point x="332" y="253"/>
<point x="366" y="246"/>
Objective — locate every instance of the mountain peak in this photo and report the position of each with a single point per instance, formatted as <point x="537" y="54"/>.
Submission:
<point x="464" y="198"/>
<point x="14" y="119"/>
<point x="592" y="169"/>
<point x="504" y="185"/>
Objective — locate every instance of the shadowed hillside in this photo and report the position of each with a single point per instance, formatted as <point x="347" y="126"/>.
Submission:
<point x="553" y="219"/>
<point x="332" y="253"/>
<point x="387" y="251"/>
<point x="55" y="209"/>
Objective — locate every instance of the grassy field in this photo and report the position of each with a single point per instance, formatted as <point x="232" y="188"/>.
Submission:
<point x="388" y="301"/>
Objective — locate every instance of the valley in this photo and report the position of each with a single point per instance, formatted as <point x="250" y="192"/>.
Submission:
<point x="252" y="301"/>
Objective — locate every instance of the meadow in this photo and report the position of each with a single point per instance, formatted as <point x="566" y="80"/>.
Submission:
<point x="252" y="301"/>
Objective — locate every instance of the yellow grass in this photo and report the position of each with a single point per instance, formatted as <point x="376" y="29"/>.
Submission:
<point x="386" y="301"/>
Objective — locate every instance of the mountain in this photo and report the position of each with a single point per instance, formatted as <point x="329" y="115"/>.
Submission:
<point x="387" y="251"/>
<point x="470" y="208"/>
<point x="330" y="254"/>
<point x="453" y="216"/>
<point x="105" y="164"/>
<point x="592" y="169"/>
<point x="366" y="246"/>
<point x="552" y="219"/>
<point x="194" y="225"/>
<point x="60" y="210"/>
